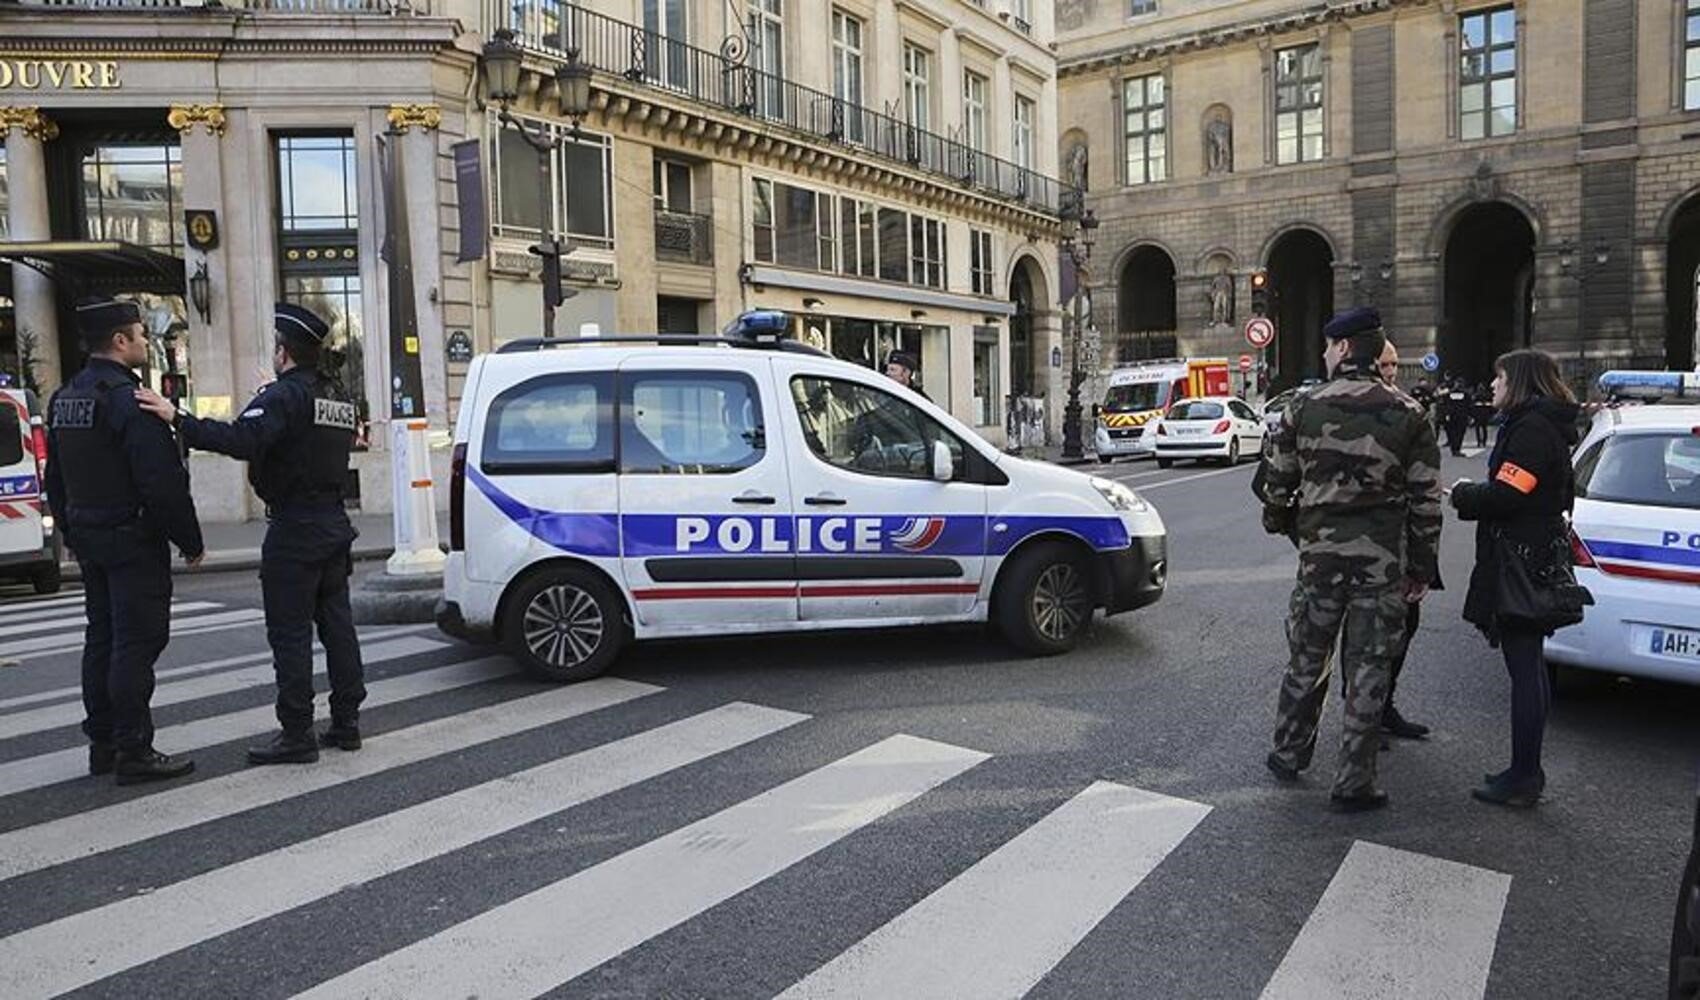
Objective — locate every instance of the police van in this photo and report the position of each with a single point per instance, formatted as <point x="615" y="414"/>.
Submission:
<point x="610" y="490"/>
<point x="1635" y="532"/>
<point x="30" y="547"/>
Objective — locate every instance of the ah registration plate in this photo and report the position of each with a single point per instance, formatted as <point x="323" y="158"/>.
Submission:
<point x="1679" y="643"/>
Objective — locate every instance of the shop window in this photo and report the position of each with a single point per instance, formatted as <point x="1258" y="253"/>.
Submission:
<point x="133" y="192"/>
<point x="987" y="387"/>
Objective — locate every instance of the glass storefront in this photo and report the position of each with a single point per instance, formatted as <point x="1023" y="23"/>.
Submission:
<point x="869" y="343"/>
<point x="133" y="192"/>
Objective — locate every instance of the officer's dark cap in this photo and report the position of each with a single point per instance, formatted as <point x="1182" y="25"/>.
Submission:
<point x="903" y="358"/>
<point x="1352" y="323"/>
<point x="299" y="326"/>
<point x="99" y="318"/>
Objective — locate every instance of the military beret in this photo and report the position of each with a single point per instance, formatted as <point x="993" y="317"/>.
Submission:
<point x="1352" y="322"/>
<point x="98" y="317"/>
<point x="903" y="358"/>
<point x="296" y="323"/>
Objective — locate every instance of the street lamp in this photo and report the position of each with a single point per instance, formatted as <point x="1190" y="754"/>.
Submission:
<point x="503" y="61"/>
<point x="1077" y="243"/>
<point x="1567" y="265"/>
<point x="200" y="292"/>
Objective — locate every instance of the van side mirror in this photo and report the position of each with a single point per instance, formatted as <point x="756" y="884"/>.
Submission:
<point x="944" y="468"/>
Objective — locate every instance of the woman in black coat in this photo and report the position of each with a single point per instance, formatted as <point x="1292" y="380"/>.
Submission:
<point x="1529" y="490"/>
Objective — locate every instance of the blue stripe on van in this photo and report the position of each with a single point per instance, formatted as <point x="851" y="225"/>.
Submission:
<point x="580" y="534"/>
<point x="18" y="486"/>
<point x="1643" y="553"/>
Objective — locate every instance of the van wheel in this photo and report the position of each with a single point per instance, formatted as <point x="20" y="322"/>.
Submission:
<point x="1165" y="463"/>
<point x="1044" y="600"/>
<point x="565" y="625"/>
<point x="46" y="579"/>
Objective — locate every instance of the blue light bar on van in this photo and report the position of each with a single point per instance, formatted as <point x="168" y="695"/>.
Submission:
<point x="1650" y="385"/>
<point x="761" y="326"/>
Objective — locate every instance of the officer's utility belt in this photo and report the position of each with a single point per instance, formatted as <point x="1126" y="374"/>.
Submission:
<point x="303" y="508"/>
<point x="102" y="518"/>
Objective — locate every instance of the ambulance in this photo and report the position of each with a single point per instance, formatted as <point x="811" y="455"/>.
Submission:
<point x="30" y="548"/>
<point x="609" y="490"/>
<point x="1142" y="391"/>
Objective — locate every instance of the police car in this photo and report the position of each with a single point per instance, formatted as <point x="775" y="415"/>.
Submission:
<point x="603" y="491"/>
<point x="1635" y="533"/>
<point x="30" y="547"/>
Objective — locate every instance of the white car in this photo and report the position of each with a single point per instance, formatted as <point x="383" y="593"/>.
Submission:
<point x="604" y="491"/>
<point x="1220" y="427"/>
<point x="1635" y="535"/>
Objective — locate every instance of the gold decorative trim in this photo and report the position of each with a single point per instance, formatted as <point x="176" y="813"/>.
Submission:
<point x="184" y="118"/>
<point x="35" y="124"/>
<point x="426" y="116"/>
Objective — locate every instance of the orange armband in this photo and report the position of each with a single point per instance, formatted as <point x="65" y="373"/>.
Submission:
<point x="1518" y="478"/>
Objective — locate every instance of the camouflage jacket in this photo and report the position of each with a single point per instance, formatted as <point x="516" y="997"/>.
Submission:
<point x="1354" y="472"/>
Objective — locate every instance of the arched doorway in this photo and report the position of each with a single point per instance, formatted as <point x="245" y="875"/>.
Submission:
<point x="1490" y="279"/>
<point x="1021" y="374"/>
<point x="1301" y="298"/>
<point x="1145" y="296"/>
<point x="1682" y="273"/>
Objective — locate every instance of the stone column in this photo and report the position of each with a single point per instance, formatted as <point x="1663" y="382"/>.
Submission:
<point x="33" y="295"/>
<point x="419" y="124"/>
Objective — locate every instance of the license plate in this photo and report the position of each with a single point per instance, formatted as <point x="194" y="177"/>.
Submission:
<point x="1677" y="643"/>
<point x="1189" y="430"/>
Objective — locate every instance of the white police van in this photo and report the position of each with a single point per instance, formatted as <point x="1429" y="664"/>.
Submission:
<point x="603" y="492"/>
<point x="1635" y="533"/>
<point x="30" y="546"/>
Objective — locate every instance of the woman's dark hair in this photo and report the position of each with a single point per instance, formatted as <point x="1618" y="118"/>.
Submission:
<point x="1529" y="373"/>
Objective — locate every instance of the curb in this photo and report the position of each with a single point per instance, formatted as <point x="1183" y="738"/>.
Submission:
<point x="227" y="561"/>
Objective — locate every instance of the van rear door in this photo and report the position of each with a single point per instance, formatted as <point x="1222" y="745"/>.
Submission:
<point x="20" y="483"/>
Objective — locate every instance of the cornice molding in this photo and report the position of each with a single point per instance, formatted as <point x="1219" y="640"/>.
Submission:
<point x="1259" y="28"/>
<point x="215" y="48"/>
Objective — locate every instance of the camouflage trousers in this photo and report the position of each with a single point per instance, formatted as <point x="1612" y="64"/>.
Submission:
<point x="1373" y="622"/>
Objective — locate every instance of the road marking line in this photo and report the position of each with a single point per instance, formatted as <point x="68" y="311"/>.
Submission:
<point x="207" y="686"/>
<point x="78" y="620"/>
<point x="65" y="765"/>
<point x="1473" y="452"/>
<point x="83" y="948"/>
<point x="1392" y="925"/>
<point x="999" y="927"/>
<point x="545" y="938"/>
<point x="1201" y="475"/>
<point x="87" y="833"/>
<point x="26" y="609"/>
<point x="76" y="691"/>
<point x="72" y="638"/>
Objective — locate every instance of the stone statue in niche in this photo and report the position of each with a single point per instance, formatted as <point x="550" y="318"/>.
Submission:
<point x="1077" y="165"/>
<point x="1222" y="299"/>
<point x="1219" y="144"/>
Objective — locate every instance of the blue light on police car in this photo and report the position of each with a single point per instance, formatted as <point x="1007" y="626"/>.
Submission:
<point x="761" y="325"/>
<point x="1650" y="385"/>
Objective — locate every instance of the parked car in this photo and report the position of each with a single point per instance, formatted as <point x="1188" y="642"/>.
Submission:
<point x="1215" y="427"/>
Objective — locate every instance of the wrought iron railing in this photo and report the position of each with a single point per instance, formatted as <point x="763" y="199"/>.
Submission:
<point x="278" y="6"/>
<point x="729" y="80"/>
<point x="684" y="237"/>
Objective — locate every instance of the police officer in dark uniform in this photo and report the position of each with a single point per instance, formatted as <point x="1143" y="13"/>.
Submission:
<point x="296" y="436"/>
<point x="116" y="482"/>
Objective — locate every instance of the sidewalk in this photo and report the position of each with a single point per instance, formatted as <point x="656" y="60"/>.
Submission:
<point x="235" y="545"/>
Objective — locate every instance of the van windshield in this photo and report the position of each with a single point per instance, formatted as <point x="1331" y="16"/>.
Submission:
<point x="1659" y="470"/>
<point x="1137" y="397"/>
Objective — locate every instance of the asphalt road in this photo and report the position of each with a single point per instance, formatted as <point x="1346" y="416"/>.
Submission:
<point x="908" y="813"/>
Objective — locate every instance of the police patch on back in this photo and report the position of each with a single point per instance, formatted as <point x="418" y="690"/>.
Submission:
<point x="335" y="413"/>
<point x="73" y="414"/>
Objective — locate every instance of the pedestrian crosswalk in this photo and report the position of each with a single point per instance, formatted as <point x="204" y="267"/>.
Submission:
<point x="54" y="625"/>
<point x="1390" y="923"/>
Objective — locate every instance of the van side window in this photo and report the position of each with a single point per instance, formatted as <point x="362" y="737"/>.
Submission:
<point x="11" y="436"/>
<point x="862" y="429"/>
<point x="689" y="423"/>
<point x="554" y="424"/>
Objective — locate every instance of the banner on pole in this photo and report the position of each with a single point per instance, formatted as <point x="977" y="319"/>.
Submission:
<point x="469" y="192"/>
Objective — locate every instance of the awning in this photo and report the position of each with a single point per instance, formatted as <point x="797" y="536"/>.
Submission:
<point x="93" y="267"/>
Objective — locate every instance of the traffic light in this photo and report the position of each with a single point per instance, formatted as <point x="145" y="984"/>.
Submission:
<point x="1260" y="292"/>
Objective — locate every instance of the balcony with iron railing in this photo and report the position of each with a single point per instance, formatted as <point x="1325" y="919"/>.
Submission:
<point x="368" y="7"/>
<point x="726" y="80"/>
<point x="684" y="237"/>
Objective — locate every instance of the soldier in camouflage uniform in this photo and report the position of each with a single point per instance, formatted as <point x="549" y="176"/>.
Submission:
<point x="1354" y="475"/>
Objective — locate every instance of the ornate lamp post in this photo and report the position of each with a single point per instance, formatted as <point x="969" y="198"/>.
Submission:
<point x="1078" y="246"/>
<point x="503" y="61"/>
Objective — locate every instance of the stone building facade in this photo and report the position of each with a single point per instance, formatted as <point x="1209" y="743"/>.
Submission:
<point x="1490" y="175"/>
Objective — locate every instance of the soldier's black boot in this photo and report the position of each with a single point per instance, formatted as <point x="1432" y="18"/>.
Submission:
<point x="1357" y="802"/>
<point x="342" y="735"/>
<point x="287" y="747"/>
<point x="134" y="767"/>
<point x="103" y="757"/>
<point x="1394" y="724"/>
<point x="1281" y="769"/>
<point x="1509" y="790"/>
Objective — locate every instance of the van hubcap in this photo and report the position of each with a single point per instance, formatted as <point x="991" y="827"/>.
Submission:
<point x="1059" y="602"/>
<point x="563" y="625"/>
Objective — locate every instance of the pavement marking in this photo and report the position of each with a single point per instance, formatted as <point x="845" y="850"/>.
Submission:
<point x="1201" y="475"/>
<point x="1473" y="452"/>
<point x="999" y="927"/>
<point x="76" y="691"/>
<point x="209" y="685"/>
<point x="124" y="823"/>
<point x="80" y="949"/>
<point x="1392" y="925"/>
<point x="25" y="609"/>
<point x="78" y="620"/>
<point x="64" y="765"/>
<point x="545" y="938"/>
<point x="222" y="622"/>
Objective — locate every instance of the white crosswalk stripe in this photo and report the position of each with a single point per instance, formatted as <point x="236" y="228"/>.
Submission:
<point x="64" y="765"/>
<point x="39" y="607"/>
<point x="209" y="685"/>
<point x="69" y="639"/>
<point x="75" y="622"/>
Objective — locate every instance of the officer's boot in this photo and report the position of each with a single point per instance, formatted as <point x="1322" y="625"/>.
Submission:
<point x="1394" y="724"/>
<point x="291" y="746"/>
<point x="343" y="735"/>
<point x="103" y="757"/>
<point x="137" y="766"/>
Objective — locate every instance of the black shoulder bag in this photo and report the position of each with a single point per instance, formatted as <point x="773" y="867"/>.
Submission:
<point x="1537" y="585"/>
